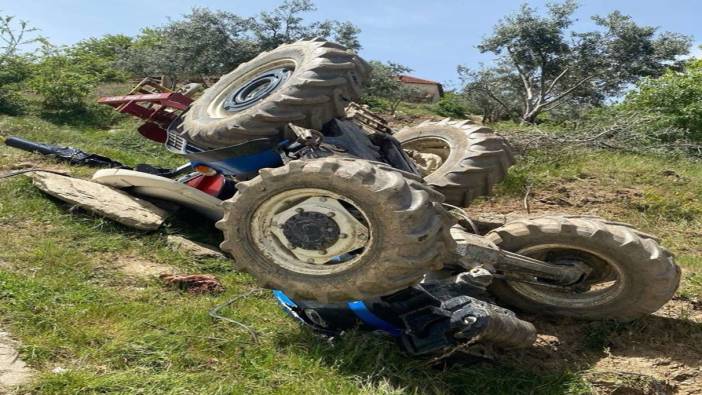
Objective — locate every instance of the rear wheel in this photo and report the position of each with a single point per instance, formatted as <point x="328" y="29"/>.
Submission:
<point x="459" y="158"/>
<point x="628" y="273"/>
<point x="336" y="229"/>
<point x="307" y="83"/>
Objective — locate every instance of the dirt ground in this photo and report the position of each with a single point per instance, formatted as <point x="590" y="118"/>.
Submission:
<point x="645" y="357"/>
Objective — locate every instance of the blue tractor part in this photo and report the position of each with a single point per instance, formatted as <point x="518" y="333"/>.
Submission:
<point x="424" y="319"/>
<point x="237" y="160"/>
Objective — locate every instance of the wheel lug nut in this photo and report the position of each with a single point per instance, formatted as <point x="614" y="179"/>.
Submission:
<point x="323" y="252"/>
<point x="291" y="246"/>
<point x="331" y="214"/>
<point x="343" y="235"/>
<point x="300" y="210"/>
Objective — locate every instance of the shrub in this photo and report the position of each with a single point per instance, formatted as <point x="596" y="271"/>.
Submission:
<point x="675" y="97"/>
<point x="62" y="84"/>
<point x="13" y="72"/>
<point x="451" y="105"/>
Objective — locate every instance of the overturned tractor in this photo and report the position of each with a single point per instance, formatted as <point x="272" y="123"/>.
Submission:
<point x="322" y="201"/>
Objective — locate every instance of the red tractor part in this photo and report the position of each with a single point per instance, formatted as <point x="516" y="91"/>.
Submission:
<point x="211" y="185"/>
<point x="152" y="102"/>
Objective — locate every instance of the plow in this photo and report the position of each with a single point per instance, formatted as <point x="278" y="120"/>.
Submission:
<point x="355" y="225"/>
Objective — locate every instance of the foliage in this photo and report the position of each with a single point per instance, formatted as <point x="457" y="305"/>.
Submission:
<point x="13" y="72"/>
<point x="384" y="82"/>
<point x="675" y="97"/>
<point x="542" y="65"/>
<point x="202" y="43"/>
<point x="211" y="43"/>
<point x="65" y="86"/>
<point x="14" y="66"/>
<point x="285" y="24"/>
<point x="451" y="105"/>
<point x="97" y="56"/>
<point x="62" y="84"/>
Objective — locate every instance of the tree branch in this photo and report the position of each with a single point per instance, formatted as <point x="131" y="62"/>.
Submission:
<point x="555" y="81"/>
<point x="550" y="104"/>
<point x="522" y="74"/>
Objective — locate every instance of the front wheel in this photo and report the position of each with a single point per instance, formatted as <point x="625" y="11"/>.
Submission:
<point x="460" y="159"/>
<point x="336" y="229"/>
<point x="628" y="275"/>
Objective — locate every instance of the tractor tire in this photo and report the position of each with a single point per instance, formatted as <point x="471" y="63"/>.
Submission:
<point x="642" y="275"/>
<point x="307" y="83"/>
<point x="406" y="236"/>
<point x="460" y="159"/>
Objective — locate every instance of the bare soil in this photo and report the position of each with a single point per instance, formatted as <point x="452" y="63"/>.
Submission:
<point x="140" y="267"/>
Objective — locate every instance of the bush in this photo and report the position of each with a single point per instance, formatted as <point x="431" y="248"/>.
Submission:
<point x="376" y="103"/>
<point x="11" y="101"/>
<point x="14" y="71"/>
<point x="676" y="98"/>
<point x="451" y="105"/>
<point x="62" y="84"/>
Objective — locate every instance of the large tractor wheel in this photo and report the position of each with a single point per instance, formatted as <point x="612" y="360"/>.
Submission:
<point x="460" y="159"/>
<point x="629" y="273"/>
<point x="336" y="229"/>
<point x="307" y="83"/>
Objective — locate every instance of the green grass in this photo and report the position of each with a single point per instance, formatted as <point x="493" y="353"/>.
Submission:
<point x="63" y="295"/>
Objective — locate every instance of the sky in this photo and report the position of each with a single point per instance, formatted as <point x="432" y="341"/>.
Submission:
<point x="430" y="37"/>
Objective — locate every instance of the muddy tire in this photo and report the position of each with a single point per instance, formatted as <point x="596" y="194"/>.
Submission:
<point x="459" y="158"/>
<point x="307" y="83"/>
<point x="632" y="275"/>
<point x="407" y="229"/>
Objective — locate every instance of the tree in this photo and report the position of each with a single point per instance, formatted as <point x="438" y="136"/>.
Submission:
<point x="384" y="82"/>
<point x="98" y="56"/>
<point x="202" y="43"/>
<point x="547" y="65"/>
<point x="285" y="24"/>
<point x="491" y="92"/>
<point x="211" y="43"/>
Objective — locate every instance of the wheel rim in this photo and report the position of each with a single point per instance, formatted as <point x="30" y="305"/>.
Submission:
<point x="603" y="284"/>
<point x="428" y="153"/>
<point x="251" y="88"/>
<point x="311" y="231"/>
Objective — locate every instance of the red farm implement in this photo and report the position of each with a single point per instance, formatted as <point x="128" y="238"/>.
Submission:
<point x="152" y="102"/>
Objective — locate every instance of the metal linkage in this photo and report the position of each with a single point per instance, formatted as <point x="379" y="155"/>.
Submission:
<point x="152" y="102"/>
<point x="367" y="119"/>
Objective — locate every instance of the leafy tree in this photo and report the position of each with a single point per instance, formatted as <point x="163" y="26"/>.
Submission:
<point x="675" y="97"/>
<point x="212" y="43"/>
<point x="99" y="56"/>
<point x="547" y="65"/>
<point x="384" y="83"/>
<point x="491" y="92"/>
<point x="203" y="43"/>
<point x="285" y="24"/>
